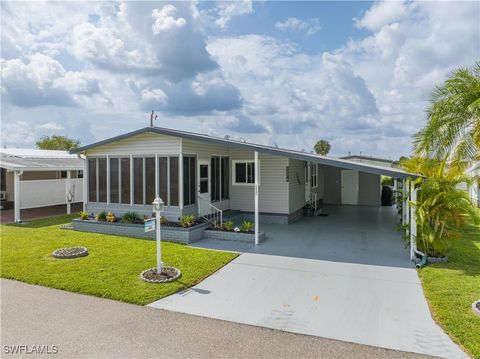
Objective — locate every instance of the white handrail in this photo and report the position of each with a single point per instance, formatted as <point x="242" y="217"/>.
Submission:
<point x="215" y="214"/>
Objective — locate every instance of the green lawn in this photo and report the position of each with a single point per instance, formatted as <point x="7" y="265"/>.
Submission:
<point x="452" y="287"/>
<point x="112" y="268"/>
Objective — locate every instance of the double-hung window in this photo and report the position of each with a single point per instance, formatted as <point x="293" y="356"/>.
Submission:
<point x="243" y="172"/>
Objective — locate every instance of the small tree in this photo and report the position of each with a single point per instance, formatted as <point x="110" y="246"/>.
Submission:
<point x="442" y="208"/>
<point x="322" y="147"/>
<point x="57" y="142"/>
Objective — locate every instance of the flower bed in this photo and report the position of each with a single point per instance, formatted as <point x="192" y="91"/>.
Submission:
<point x="170" y="232"/>
<point x="72" y="252"/>
<point x="168" y="274"/>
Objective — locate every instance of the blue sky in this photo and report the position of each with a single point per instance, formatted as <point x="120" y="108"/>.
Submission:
<point x="334" y="19"/>
<point x="358" y="74"/>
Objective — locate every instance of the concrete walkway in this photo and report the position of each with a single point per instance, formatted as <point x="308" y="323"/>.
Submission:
<point x="346" y="276"/>
<point x="88" y="327"/>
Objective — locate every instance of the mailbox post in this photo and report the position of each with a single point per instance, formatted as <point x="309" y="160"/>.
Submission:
<point x="158" y="209"/>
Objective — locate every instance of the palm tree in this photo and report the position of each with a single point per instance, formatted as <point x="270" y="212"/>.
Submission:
<point x="322" y="147"/>
<point x="442" y="207"/>
<point x="453" y="126"/>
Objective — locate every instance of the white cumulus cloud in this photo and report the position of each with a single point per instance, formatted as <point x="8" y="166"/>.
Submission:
<point x="308" y="27"/>
<point x="164" y="20"/>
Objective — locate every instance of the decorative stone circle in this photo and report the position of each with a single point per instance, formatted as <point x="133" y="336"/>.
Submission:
<point x="72" y="252"/>
<point x="168" y="274"/>
<point x="476" y="307"/>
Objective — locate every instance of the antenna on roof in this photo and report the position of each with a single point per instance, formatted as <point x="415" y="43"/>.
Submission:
<point x="153" y="117"/>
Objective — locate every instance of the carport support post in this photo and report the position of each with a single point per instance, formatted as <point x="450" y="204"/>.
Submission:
<point x="256" y="197"/>
<point x="413" y="221"/>
<point x="67" y="194"/>
<point x="405" y="203"/>
<point x="16" y="195"/>
<point x="85" y="182"/>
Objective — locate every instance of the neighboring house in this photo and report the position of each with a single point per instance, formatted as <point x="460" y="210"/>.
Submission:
<point x="39" y="178"/>
<point x="194" y="173"/>
<point x="371" y="160"/>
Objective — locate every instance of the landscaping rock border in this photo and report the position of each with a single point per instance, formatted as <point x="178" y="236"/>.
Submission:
<point x="437" y="259"/>
<point x="150" y="275"/>
<point x="72" y="252"/>
<point x="67" y="226"/>
<point x="476" y="307"/>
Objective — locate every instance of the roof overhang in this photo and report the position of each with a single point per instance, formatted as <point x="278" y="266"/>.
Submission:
<point x="298" y="155"/>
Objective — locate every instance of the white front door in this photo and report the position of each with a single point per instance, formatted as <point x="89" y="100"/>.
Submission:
<point x="349" y="187"/>
<point x="203" y="187"/>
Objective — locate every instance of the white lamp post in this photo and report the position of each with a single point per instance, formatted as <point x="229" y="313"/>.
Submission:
<point x="158" y="209"/>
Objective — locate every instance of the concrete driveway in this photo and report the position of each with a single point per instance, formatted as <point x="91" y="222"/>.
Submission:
<point x="81" y="326"/>
<point x="346" y="276"/>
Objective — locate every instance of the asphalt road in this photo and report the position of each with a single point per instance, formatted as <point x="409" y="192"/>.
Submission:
<point x="79" y="326"/>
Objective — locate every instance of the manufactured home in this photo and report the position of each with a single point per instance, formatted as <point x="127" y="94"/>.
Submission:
<point x="199" y="174"/>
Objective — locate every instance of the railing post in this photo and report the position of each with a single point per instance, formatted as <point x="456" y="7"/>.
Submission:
<point x="68" y="194"/>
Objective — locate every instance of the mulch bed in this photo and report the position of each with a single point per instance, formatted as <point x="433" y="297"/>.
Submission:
<point x="73" y="252"/>
<point x="168" y="274"/>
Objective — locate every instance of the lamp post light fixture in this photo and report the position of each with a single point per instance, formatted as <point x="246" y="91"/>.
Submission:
<point x="158" y="207"/>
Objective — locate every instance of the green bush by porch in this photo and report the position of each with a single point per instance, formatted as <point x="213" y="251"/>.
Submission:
<point x="112" y="268"/>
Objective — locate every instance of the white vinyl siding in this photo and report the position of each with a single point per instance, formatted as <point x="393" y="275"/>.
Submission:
<point x="273" y="190"/>
<point x="142" y="145"/>
<point x="296" y="185"/>
<point x="369" y="189"/>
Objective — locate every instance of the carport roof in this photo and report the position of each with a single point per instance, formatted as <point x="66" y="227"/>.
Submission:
<point x="16" y="159"/>
<point x="298" y="155"/>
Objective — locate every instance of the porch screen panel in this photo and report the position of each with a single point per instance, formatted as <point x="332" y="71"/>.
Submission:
<point x="92" y="180"/>
<point x="193" y="181"/>
<point x="163" y="179"/>
<point x="125" y="180"/>
<point x="185" y="182"/>
<point x="225" y="178"/>
<point x="173" y="181"/>
<point x="3" y="180"/>
<point x="102" y="180"/>
<point x="215" y="181"/>
<point x="114" y="183"/>
<point x="138" y="180"/>
<point x="189" y="179"/>
<point x="149" y="180"/>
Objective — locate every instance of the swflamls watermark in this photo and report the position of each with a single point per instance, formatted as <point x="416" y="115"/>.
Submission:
<point x="40" y="349"/>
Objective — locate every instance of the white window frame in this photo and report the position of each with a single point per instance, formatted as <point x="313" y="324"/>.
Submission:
<point x="234" y="168"/>
<point x="314" y="175"/>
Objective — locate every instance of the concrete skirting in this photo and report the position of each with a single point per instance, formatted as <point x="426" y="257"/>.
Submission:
<point x="233" y="236"/>
<point x="169" y="234"/>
